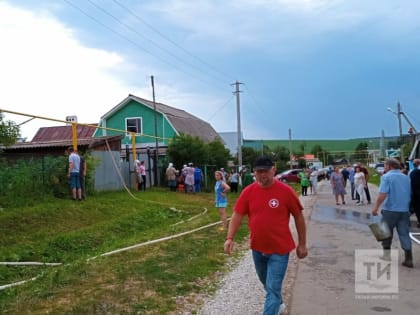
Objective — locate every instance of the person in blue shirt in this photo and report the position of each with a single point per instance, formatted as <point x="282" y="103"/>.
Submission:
<point x="198" y="178"/>
<point x="394" y="199"/>
<point x="221" y="202"/>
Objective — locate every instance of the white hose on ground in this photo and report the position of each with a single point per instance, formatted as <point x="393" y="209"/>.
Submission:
<point x="157" y="240"/>
<point x="2" y="287"/>
<point x="28" y="263"/>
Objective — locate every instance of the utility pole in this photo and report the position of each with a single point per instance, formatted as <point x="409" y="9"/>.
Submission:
<point x="399" y="113"/>
<point x="382" y="144"/>
<point x="155" y="166"/>
<point x="290" y="148"/>
<point x="238" y="122"/>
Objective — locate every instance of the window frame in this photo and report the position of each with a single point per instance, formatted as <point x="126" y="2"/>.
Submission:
<point x="138" y="125"/>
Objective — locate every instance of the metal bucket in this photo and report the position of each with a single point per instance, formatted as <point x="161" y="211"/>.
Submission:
<point x="381" y="230"/>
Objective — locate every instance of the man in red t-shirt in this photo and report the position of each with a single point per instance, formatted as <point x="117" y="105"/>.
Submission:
<point x="268" y="204"/>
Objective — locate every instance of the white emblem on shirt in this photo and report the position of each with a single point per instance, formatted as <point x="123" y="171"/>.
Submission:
<point x="273" y="203"/>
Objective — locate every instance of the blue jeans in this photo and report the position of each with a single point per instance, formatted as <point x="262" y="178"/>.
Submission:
<point x="271" y="269"/>
<point x="400" y="220"/>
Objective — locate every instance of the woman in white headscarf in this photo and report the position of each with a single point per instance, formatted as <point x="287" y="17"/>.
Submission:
<point x="171" y="177"/>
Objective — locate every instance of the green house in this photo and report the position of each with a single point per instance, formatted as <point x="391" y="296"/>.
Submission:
<point x="135" y="114"/>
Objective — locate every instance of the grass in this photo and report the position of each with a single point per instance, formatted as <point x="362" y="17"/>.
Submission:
<point x="147" y="280"/>
<point x="332" y="146"/>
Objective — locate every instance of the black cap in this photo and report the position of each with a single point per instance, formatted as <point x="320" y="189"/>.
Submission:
<point x="263" y="163"/>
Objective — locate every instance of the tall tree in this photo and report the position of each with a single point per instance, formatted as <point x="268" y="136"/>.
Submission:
<point x="361" y="152"/>
<point x="249" y="155"/>
<point x="217" y="153"/>
<point x="322" y="154"/>
<point x="184" y="148"/>
<point x="9" y="131"/>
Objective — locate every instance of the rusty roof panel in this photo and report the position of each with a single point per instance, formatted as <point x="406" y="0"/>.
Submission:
<point x="63" y="133"/>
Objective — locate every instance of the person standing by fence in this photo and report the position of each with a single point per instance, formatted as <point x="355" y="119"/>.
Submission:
<point x="74" y="175"/>
<point x="171" y="176"/>
<point x="142" y="169"/>
<point x="198" y="178"/>
<point x="234" y="180"/>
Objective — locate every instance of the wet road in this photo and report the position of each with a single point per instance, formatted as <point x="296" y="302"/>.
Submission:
<point x="325" y="280"/>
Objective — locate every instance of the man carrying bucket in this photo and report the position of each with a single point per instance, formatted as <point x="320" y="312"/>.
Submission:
<point x="394" y="193"/>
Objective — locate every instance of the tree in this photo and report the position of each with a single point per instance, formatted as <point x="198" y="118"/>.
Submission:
<point x="249" y="155"/>
<point x="281" y="157"/>
<point x="217" y="153"/>
<point x="9" y="131"/>
<point x="184" y="148"/>
<point x="361" y="152"/>
<point x="321" y="154"/>
<point x="302" y="147"/>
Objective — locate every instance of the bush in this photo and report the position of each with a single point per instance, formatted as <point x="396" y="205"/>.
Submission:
<point x="28" y="180"/>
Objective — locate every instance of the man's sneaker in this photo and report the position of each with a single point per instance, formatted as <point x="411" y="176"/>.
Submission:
<point x="282" y="308"/>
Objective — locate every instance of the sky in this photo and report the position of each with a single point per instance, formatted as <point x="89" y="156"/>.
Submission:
<point x="323" y="69"/>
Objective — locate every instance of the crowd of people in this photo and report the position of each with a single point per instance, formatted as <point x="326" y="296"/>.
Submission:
<point x="189" y="178"/>
<point x="398" y="198"/>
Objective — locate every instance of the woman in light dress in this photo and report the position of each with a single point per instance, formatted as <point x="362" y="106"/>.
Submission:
<point x="337" y="185"/>
<point x="360" y="184"/>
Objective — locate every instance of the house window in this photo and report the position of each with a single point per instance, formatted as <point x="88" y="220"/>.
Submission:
<point x="133" y="124"/>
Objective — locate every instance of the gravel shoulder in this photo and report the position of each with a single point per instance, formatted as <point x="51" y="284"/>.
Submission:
<point x="240" y="292"/>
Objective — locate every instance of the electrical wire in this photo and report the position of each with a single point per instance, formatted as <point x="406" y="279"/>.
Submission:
<point x="134" y="43"/>
<point x="173" y="42"/>
<point x="220" y="108"/>
<point x="144" y="37"/>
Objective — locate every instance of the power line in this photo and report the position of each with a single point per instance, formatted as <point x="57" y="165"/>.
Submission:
<point x="171" y="41"/>
<point x="220" y="108"/>
<point x="144" y="37"/>
<point x="131" y="41"/>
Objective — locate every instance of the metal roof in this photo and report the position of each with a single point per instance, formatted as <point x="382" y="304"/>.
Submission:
<point x="62" y="137"/>
<point x="182" y="121"/>
<point x="62" y="133"/>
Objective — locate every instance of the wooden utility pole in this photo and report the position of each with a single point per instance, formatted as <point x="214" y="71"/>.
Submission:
<point x="155" y="164"/>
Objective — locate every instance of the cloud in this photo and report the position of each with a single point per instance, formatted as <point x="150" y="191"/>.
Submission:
<point x="46" y="71"/>
<point x="278" y="25"/>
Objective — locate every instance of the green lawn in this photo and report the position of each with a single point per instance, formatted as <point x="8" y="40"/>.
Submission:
<point x="146" y="280"/>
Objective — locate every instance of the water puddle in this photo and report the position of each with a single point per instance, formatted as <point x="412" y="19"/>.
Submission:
<point x="328" y="214"/>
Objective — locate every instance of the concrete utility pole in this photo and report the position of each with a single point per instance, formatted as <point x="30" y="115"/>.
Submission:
<point x="290" y="148"/>
<point x="399" y="118"/>
<point x="238" y="120"/>
<point x="382" y="144"/>
<point x="155" y="166"/>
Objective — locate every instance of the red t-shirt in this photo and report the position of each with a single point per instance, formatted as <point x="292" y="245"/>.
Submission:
<point x="268" y="211"/>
